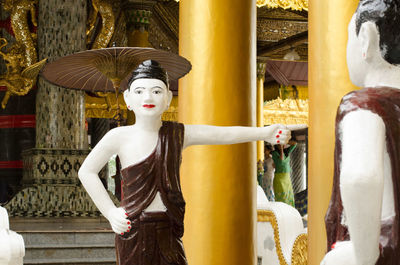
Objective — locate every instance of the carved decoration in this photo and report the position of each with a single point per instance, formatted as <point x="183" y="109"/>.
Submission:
<point x="170" y="21"/>
<point x="282" y="14"/>
<point x="285" y="4"/>
<point x="21" y="58"/>
<point x="120" y="37"/>
<point x="104" y="8"/>
<point x="50" y="174"/>
<point x="19" y="11"/>
<point x="261" y="67"/>
<point x="299" y="250"/>
<point x="18" y="80"/>
<point x="288" y="111"/>
<point x="159" y="39"/>
<point x="275" y="30"/>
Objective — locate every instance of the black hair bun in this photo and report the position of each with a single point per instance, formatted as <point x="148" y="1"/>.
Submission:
<point x="149" y="69"/>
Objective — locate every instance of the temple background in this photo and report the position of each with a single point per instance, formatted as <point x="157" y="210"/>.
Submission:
<point x="46" y="134"/>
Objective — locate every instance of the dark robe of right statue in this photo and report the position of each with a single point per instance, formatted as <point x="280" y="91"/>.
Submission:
<point x="384" y="102"/>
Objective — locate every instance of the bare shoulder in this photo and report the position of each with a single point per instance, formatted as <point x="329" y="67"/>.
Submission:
<point x="362" y="119"/>
<point x="118" y="134"/>
<point x="119" y="131"/>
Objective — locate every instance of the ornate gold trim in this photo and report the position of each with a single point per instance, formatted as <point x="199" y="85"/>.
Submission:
<point x="299" y="250"/>
<point x="285" y="4"/>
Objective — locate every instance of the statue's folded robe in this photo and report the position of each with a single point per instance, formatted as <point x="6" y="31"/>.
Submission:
<point x="155" y="237"/>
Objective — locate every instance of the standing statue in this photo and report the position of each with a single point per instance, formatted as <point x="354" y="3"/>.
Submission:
<point x="362" y="221"/>
<point x="149" y="222"/>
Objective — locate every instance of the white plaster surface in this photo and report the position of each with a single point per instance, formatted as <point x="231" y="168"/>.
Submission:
<point x="12" y="248"/>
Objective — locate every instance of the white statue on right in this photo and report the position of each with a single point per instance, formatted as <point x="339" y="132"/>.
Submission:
<point x="362" y="222"/>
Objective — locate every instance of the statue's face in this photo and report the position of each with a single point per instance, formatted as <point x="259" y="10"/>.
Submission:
<point x="355" y="61"/>
<point x="148" y="97"/>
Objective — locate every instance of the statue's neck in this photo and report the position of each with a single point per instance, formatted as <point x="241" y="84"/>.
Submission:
<point x="148" y="123"/>
<point x="383" y="75"/>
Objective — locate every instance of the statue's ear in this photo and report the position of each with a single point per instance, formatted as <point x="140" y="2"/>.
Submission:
<point x="126" y="96"/>
<point x="170" y="96"/>
<point x="369" y="39"/>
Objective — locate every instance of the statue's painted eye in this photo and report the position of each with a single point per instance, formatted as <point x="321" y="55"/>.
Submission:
<point x="157" y="92"/>
<point x="138" y="91"/>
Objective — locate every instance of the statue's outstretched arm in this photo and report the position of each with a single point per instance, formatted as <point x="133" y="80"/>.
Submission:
<point x="88" y="175"/>
<point x="362" y="181"/>
<point x="207" y="134"/>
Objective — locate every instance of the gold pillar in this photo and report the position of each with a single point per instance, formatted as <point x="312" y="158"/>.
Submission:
<point x="260" y="106"/>
<point x="219" y="182"/>
<point x="328" y="83"/>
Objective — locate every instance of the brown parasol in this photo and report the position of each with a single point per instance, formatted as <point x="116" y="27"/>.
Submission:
<point x="108" y="69"/>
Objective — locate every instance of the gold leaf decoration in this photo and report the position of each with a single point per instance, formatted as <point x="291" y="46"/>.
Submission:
<point x="299" y="251"/>
<point x="285" y="4"/>
<point x="288" y="111"/>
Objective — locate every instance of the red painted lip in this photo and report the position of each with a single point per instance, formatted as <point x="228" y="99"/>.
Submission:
<point x="148" y="106"/>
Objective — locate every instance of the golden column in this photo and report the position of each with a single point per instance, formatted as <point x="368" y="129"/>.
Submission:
<point x="260" y="116"/>
<point x="328" y="83"/>
<point x="219" y="182"/>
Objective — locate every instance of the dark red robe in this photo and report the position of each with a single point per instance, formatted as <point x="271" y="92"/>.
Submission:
<point x="155" y="237"/>
<point x="384" y="102"/>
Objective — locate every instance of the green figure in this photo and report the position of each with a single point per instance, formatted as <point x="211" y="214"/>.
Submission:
<point x="282" y="183"/>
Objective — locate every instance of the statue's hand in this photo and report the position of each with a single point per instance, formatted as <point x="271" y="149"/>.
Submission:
<point x="119" y="221"/>
<point x="280" y="134"/>
<point x="277" y="134"/>
<point x="342" y="254"/>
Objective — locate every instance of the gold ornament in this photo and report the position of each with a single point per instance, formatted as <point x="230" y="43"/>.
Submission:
<point x="21" y="58"/>
<point x="18" y="81"/>
<point x="19" y="11"/>
<point x="299" y="250"/>
<point x="288" y="111"/>
<point x="105" y="9"/>
<point x="285" y="4"/>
